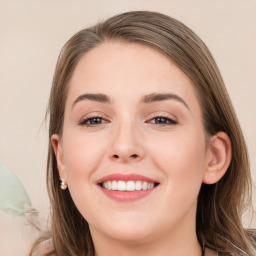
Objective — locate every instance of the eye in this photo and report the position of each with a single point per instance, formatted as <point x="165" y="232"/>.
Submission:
<point x="92" y="121"/>
<point x="162" y="120"/>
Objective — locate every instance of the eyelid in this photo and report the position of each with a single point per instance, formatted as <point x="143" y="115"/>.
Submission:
<point x="162" y="114"/>
<point x="91" y="116"/>
<point x="172" y="119"/>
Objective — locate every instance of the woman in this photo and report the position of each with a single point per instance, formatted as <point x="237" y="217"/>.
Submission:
<point x="146" y="145"/>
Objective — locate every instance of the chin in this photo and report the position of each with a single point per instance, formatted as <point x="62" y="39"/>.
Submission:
<point x="131" y="231"/>
<point x="131" y="236"/>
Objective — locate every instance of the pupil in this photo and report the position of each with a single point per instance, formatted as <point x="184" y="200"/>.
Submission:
<point x="161" y="120"/>
<point x="95" y="120"/>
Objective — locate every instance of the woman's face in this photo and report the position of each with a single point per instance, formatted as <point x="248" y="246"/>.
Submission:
<point x="133" y="148"/>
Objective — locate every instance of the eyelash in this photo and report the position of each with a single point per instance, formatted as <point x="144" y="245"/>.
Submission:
<point x="85" y="121"/>
<point x="161" y="117"/>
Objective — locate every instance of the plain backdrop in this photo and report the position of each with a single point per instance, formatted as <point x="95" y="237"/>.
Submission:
<point x="32" y="33"/>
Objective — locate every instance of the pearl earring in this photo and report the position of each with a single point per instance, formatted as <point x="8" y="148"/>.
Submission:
<point x="63" y="185"/>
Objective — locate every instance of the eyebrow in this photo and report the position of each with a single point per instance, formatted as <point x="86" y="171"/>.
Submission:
<point x="154" y="97"/>
<point x="150" y="98"/>
<point x="98" y="97"/>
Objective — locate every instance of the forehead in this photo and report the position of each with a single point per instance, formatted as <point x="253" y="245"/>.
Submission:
<point x="118" y="68"/>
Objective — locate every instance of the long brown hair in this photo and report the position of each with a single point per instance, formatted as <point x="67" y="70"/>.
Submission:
<point x="221" y="205"/>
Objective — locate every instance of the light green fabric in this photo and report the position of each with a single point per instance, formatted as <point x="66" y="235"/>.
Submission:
<point x="13" y="196"/>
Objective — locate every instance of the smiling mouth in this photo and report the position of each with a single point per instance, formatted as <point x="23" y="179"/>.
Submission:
<point x="120" y="185"/>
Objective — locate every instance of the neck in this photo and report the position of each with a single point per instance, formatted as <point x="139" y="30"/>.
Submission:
<point x="162" y="247"/>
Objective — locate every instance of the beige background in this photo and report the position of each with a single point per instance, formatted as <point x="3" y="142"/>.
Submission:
<point x="32" y="33"/>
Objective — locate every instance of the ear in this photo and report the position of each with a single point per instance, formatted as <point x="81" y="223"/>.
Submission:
<point x="219" y="158"/>
<point x="57" y="147"/>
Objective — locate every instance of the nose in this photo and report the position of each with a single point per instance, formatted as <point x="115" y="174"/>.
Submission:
<point x="127" y="145"/>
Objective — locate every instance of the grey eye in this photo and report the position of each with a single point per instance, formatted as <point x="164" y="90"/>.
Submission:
<point x="162" y="120"/>
<point x="92" y="121"/>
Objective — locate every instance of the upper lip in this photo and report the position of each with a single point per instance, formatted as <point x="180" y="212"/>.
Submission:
<point x="125" y="177"/>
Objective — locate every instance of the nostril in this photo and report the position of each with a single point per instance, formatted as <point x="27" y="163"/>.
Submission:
<point x="133" y="156"/>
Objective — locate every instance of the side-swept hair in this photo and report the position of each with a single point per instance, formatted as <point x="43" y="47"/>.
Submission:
<point x="221" y="205"/>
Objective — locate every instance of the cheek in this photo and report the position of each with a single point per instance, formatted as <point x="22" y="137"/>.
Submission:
<point x="181" y="156"/>
<point x="82" y="154"/>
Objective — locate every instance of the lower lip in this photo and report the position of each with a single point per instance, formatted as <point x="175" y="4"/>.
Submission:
<point x="124" y="196"/>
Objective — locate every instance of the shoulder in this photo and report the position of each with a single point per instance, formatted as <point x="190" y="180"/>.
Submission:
<point x="44" y="248"/>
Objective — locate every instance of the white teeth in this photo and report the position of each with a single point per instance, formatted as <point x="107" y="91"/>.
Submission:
<point x="130" y="186"/>
<point x="138" y="185"/>
<point x="127" y="185"/>
<point x="121" y="185"/>
<point x="114" y="185"/>
<point x="109" y="184"/>
<point x="144" y="185"/>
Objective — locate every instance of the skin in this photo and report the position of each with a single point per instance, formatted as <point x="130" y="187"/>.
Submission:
<point x="127" y="140"/>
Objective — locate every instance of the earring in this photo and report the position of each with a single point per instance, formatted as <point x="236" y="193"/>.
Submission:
<point x="63" y="185"/>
